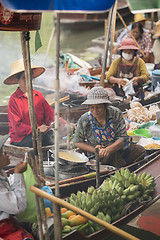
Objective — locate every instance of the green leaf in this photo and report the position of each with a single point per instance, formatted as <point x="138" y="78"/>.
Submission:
<point x="38" y="42"/>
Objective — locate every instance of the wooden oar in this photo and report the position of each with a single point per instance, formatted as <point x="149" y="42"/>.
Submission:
<point x="79" y="178"/>
<point x="130" y="33"/>
<point x="65" y="204"/>
<point x="66" y="98"/>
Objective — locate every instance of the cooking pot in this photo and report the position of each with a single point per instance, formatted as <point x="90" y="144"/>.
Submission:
<point x="48" y="168"/>
<point x="71" y="157"/>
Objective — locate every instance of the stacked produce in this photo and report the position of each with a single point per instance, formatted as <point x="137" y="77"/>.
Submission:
<point x="118" y="194"/>
<point x="138" y="114"/>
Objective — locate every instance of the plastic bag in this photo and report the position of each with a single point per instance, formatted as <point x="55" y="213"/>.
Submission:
<point x="48" y="203"/>
<point x="128" y="89"/>
<point x="30" y="214"/>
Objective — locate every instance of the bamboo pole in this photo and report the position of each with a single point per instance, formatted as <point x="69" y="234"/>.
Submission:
<point x="25" y="36"/>
<point x="130" y="33"/>
<point x="63" y="203"/>
<point x="68" y="126"/>
<point x="57" y="218"/>
<point x="66" y="98"/>
<point x="49" y="44"/>
<point x="97" y="168"/>
<point x="113" y="31"/>
<point x="104" y="60"/>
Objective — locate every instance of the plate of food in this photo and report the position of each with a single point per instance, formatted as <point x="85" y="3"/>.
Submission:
<point x="152" y="146"/>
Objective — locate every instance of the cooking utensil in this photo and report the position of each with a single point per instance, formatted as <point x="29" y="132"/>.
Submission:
<point x="48" y="168"/>
<point x="104" y="167"/>
<point x="71" y="157"/>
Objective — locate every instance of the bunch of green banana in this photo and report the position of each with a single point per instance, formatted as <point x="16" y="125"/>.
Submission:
<point x="109" y="200"/>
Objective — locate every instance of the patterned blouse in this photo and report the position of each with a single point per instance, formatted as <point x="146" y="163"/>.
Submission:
<point x="84" y="131"/>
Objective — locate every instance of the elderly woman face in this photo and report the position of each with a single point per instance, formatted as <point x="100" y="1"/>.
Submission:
<point x="98" y="110"/>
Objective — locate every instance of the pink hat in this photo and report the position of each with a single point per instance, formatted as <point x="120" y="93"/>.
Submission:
<point x="128" y="43"/>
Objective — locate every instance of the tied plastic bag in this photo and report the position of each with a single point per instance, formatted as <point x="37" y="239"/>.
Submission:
<point x="30" y="214"/>
<point x="128" y="89"/>
<point x="48" y="203"/>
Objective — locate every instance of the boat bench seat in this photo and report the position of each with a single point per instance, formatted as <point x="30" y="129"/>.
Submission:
<point x="19" y="152"/>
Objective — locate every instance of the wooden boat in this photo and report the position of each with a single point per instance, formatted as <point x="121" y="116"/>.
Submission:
<point x="76" y="109"/>
<point x="84" y="21"/>
<point x="150" y="166"/>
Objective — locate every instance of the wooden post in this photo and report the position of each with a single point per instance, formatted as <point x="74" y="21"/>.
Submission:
<point x="97" y="169"/>
<point x="27" y="66"/>
<point x="56" y="209"/>
<point x="104" y="60"/>
<point x="112" y="32"/>
<point x="68" y="126"/>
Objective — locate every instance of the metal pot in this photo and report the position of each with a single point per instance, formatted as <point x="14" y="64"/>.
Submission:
<point x="70" y="171"/>
<point x="48" y="168"/>
<point x="76" y="158"/>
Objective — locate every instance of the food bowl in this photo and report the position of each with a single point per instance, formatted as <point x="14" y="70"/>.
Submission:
<point x="141" y="132"/>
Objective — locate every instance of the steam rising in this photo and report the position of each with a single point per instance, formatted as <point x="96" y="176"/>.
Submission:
<point x="69" y="83"/>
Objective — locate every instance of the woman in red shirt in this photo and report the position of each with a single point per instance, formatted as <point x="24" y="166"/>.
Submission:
<point x="18" y="112"/>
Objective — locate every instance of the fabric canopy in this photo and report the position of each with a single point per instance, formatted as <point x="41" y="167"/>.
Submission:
<point x="144" y="6"/>
<point x="59" y="5"/>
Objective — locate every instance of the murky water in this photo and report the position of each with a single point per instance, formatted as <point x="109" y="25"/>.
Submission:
<point x="75" y="42"/>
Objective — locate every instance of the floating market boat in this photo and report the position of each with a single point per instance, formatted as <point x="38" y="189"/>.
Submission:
<point x="150" y="167"/>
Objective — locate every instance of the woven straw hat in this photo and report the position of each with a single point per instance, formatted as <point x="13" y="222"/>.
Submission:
<point x="97" y="95"/>
<point x="128" y="43"/>
<point x="138" y="17"/>
<point x="17" y="67"/>
<point x="157" y="34"/>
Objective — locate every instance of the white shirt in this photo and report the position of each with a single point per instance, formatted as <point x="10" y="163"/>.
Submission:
<point x="13" y="199"/>
<point x="156" y="50"/>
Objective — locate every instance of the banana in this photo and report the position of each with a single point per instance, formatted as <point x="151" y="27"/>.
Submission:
<point x="90" y="189"/>
<point x="122" y="171"/>
<point x="148" y="176"/>
<point x="143" y="175"/>
<point x="127" y="173"/>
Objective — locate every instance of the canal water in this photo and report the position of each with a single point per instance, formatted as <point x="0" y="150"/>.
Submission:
<point x="76" y="42"/>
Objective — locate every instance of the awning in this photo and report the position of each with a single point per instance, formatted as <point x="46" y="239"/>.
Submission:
<point x="59" y="5"/>
<point x="144" y="6"/>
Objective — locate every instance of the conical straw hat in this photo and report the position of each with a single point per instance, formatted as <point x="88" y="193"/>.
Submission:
<point x="140" y="17"/>
<point x="17" y="67"/>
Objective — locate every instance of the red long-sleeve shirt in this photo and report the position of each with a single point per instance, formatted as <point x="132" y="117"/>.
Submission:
<point x="18" y="114"/>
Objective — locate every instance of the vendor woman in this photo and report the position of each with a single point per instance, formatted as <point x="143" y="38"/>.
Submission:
<point x="103" y="127"/>
<point x="129" y="67"/>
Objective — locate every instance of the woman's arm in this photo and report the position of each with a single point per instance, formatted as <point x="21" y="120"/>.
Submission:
<point x="85" y="147"/>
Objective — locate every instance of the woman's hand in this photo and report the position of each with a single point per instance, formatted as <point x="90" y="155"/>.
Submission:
<point x="104" y="152"/>
<point x="135" y="81"/>
<point x="43" y="128"/>
<point x="20" y="167"/>
<point x="121" y="82"/>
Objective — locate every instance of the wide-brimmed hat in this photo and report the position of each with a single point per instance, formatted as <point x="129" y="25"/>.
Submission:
<point x="157" y="33"/>
<point x="128" y="43"/>
<point x="138" y="17"/>
<point x="97" y="95"/>
<point x="3" y="139"/>
<point x="17" y="67"/>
